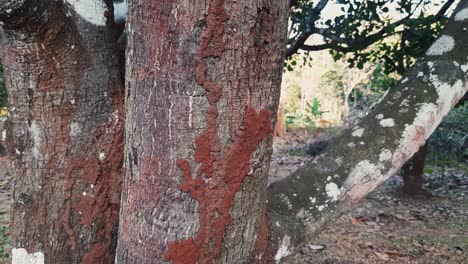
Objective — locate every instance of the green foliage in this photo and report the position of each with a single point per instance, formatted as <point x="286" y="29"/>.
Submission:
<point x="364" y="94"/>
<point x="305" y="120"/>
<point x="334" y="80"/>
<point x="313" y="109"/>
<point x="4" y="240"/>
<point x="292" y="98"/>
<point x="373" y="90"/>
<point x="448" y="145"/>
<point x="389" y="32"/>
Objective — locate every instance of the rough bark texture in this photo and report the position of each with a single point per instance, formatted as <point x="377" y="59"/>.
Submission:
<point x="378" y="146"/>
<point x="413" y="172"/>
<point x="65" y="130"/>
<point x="203" y="83"/>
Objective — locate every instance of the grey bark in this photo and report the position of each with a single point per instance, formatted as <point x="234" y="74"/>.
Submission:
<point x="172" y="110"/>
<point x="377" y="147"/>
<point x="65" y="131"/>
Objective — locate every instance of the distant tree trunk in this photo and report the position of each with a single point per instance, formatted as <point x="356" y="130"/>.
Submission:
<point x="279" y="126"/>
<point x="413" y="172"/>
<point x="64" y="130"/>
<point x="346" y="111"/>
<point x="202" y="95"/>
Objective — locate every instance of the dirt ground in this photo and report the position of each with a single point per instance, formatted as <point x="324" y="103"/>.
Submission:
<point x="387" y="227"/>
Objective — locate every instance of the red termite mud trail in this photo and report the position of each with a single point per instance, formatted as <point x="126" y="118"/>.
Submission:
<point x="223" y="174"/>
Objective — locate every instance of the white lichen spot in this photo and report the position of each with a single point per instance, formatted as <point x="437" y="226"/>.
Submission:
<point x="420" y="74"/>
<point x="404" y="80"/>
<point x="339" y="161"/>
<point x="286" y="200"/>
<point x="462" y="15"/>
<point x="320" y="208"/>
<point x="90" y="10"/>
<point x="442" y="45"/>
<point x="388" y="122"/>
<point x="102" y="156"/>
<point x="464" y="68"/>
<point x="379" y="116"/>
<point x="84" y="193"/>
<point x="329" y="178"/>
<point x="283" y="249"/>
<point x="277" y="224"/>
<point x="21" y="256"/>
<point x="75" y="129"/>
<point x="35" y="133"/>
<point x="313" y="200"/>
<point x="385" y="155"/>
<point x="332" y="191"/>
<point x="361" y="143"/>
<point x="358" y="132"/>
<point x="302" y="214"/>
<point x="4" y="135"/>
<point x="351" y="145"/>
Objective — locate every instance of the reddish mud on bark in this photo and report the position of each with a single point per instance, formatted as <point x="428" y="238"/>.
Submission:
<point x="215" y="194"/>
<point x="223" y="174"/>
<point x="65" y="133"/>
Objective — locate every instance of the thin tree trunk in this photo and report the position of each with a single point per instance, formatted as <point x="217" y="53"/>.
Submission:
<point x="413" y="172"/>
<point x="64" y="130"/>
<point x="203" y="90"/>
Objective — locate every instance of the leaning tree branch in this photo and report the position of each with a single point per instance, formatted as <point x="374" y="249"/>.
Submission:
<point x="376" y="148"/>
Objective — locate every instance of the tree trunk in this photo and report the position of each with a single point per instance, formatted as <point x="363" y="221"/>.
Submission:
<point x="64" y="129"/>
<point x="375" y="148"/>
<point x="279" y="126"/>
<point x="413" y="172"/>
<point x="346" y="110"/>
<point x="203" y="89"/>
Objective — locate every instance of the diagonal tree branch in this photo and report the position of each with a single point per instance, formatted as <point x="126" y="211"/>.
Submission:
<point x="376" y="148"/>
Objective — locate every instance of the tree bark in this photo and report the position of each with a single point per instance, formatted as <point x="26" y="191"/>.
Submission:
<point x="413" y="172"/>
<point x="65" y="129"/>
<point x="203" y="88"/>
<point x="376" y="148"/>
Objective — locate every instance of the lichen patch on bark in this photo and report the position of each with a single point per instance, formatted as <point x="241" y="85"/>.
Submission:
<point x="442" y="45"/>
<point x="462" y="15"/>
<point x="21" y="256"/>
<point x="90" y="10"/>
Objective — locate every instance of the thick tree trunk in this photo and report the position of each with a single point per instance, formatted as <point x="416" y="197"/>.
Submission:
<point x="377" y="147"/>
<point x="65" y="129"/>
<point x="203" y="87"/>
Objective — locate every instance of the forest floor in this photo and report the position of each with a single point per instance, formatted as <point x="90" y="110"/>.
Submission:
<point x="386" y="227"/>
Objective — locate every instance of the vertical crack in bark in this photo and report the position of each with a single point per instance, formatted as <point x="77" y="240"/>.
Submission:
<point x="222" y="169"/>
